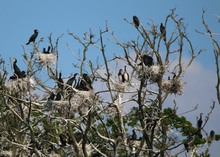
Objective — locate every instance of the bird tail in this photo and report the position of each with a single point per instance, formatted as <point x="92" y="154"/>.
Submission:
<point x="27" y="43"/>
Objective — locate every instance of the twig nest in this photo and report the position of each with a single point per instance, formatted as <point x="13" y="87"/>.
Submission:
<point x="174" y="86"/>
<point x="46" y="59"/>
<point x="83" y="101"/>
<point x="119" y="86"/>
<point x="20" y="84"/>
<point x="151" y="73"/>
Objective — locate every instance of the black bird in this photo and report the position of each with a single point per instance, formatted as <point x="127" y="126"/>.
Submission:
<point x="186" y="145"/>
<point x="17" y="71"/>
<point x="87" y="79"/>
<point x="58" y="96"/>
<point x="199" y="123"/>
<point x="148" y="60"/>
<point x="51" y="97"/>
<point x="44" y="51"/>
<point x="120" y="76"/>
<point x="33" y="37"/>
<point x="199" y="135"/>
<point x="174" y="75"/>
<point x="71" y="80"/>
<point x="60" y="81"/>
<point x="136" y="21"/>
<point x="134" y="135"/>
<point x="63" y="140"/>
<point x="126" y="75"/>
<point x="48" y="49"/>
<point x="49" y="103"/>
<point x="212" y="135"/>
<point x="163" y="32"/>
<point x="23" y="75"/>
<point x="86" y="83"/>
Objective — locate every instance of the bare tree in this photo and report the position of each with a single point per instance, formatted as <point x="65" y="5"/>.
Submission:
<point x="216" y="51"/>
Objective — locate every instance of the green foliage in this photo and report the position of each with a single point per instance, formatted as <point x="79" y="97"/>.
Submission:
<point x="181" y="124"/>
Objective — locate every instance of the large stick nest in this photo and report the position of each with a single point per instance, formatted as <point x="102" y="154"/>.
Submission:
<point x="46" y="59"/>
<point x="80" y="102"/>
<point x="20" y="85"/>
<point x="174" y="86"/>
<point x="151" y="73"/>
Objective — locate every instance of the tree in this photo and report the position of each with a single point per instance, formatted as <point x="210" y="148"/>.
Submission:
<point x="123" y="118"/>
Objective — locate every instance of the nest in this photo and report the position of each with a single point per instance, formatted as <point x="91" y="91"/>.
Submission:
<point x="80" y="102"/>
<point x="119" y="86"/>
<point x="173" y="86"/>
<point x="83" y="101"/>
<point x="151" y="73"/>
<point x="20" y="85"/>
<point x="46" y="59"/>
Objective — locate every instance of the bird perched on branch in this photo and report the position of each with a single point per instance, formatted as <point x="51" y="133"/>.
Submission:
<point x="60" y="81"/>
<point x="121" y="76"/>
<point x="63" y="140"/>
<point x="147" y="60"/>
<point x="134" y="135"/>
<point x="71" y="80"/>
<point x="163" y="32"/>
<point x="136" y="21"/>
<point x="199" y="123"/>
<point x="46" y="52"/>
<point x="86" y="82"/>
<point x="48" y="49"/>
<point x="212" y="135"/>
<point x="17" y="72"/>
<point x="126" y="75"/>
<point x="58" y="96"/>
<point x="33" y="37"/>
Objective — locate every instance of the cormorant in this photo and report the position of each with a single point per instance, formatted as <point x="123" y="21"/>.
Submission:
<point x="87" y="79"/>
<point x="63" y="140"/>
<point x="58" y="97"/>
<point x="199" y="123"/>
<point x="48" y="49"/>
<point x="86" y="83"/>
<point x="17" y="70"/>
<point x="44" y="51"/>
<point x="212" y="135"/>
<point x="126" y="75"/>
<point x="48" y="104"/>
<point x="136" y="21"/>
<point x="174" y="75"/>
<point x="51" y="97"/>
<point x="186" y="145"/>
<point x="71" y="80"/>
<point x="163" y="32"/>
<point x="148" y="60"/>
<point x="60" y="81"/>
<point x="33" y="37"/>
<point x="120" y="76"/>
<point x="23" y="75"/>
<point x="134" y="135"/>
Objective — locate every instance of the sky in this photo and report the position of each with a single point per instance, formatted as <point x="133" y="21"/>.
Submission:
<point x="18" y="19"/>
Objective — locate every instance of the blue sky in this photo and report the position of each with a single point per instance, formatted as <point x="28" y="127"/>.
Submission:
<point x="18" y="19"/>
